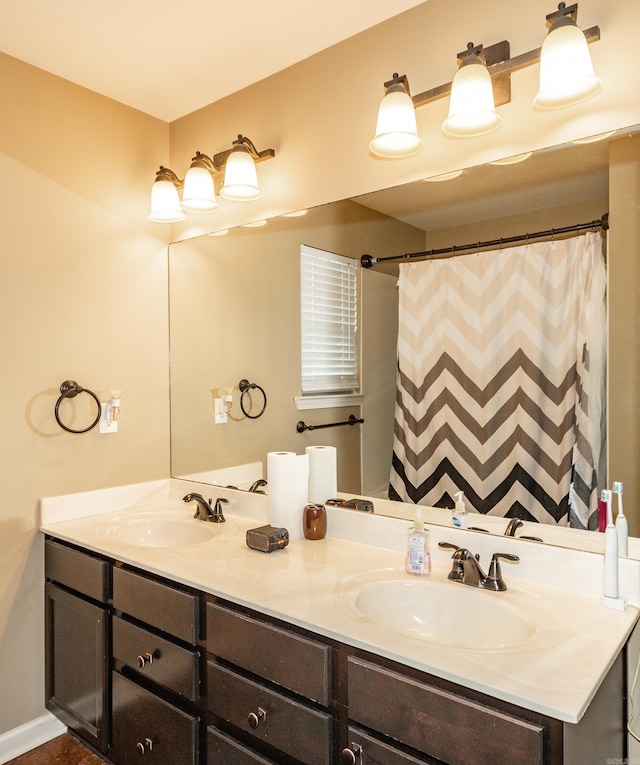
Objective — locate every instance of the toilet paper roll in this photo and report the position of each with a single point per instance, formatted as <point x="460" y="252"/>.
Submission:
<point x="323" y="473"/>
<point x="288" y="477"/>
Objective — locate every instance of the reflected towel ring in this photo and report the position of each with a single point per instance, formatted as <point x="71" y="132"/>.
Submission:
<point x="245" y="387"/>
<point x="70" y="389"/>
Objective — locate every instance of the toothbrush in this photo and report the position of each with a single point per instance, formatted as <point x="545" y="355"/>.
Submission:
<point x="621" y="521"/>
<point x="610" y="551"/>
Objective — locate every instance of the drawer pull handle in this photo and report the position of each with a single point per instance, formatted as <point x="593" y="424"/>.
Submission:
<point x="145" y="747"/>
<point x="146" y="658"/>
<point x="255" y="718"/>
<point x="352" y="756"/>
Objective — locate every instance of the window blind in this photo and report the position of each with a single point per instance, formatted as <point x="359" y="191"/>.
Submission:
<point x="329" y="314"/>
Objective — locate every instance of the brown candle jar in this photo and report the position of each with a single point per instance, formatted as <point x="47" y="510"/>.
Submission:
<point x="314" y="522"/>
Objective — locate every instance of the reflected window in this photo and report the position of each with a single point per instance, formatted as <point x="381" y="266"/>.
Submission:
<point x="329" y="321"/>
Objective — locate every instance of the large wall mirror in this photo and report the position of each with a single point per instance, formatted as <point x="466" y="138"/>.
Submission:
<point x="235" y="311"/>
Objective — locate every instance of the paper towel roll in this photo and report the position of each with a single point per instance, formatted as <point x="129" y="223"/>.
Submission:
<point x="288" y="477"/>
<point x="323" y="480"/>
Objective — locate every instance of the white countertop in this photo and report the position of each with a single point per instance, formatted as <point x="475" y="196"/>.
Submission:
<point x="556" y="671"/>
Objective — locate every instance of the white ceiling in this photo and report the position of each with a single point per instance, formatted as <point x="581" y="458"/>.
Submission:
<point x="170" y="58"/>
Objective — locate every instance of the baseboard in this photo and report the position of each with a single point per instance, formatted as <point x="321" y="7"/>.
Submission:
<point x="15" y="742"/>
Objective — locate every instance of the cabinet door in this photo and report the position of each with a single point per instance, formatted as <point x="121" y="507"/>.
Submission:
<point x="76" y="664"/>
<point x="145" y="725"/>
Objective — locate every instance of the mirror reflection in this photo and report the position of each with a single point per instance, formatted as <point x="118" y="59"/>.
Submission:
<point x="235" y="315"/>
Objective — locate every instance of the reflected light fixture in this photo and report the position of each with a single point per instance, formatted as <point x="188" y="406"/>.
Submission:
<point x="472" y="110"/>
<point x="566" y="71"/>
<point x="396" y="130"/>
<point x="198" y="186"/>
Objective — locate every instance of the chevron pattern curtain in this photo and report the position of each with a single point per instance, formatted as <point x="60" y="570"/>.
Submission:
<point x="500" y="386"/>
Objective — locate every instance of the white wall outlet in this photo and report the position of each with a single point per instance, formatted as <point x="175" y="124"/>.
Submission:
<point x="106" y="425"/>
<point x="219" y="410"/>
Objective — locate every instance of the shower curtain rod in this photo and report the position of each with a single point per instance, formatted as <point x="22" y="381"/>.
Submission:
<point x="368" y="261"/>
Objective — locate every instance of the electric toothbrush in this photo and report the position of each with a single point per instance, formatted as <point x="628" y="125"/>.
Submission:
<point x="622" y="527"/>
<point x="610" y="590"/>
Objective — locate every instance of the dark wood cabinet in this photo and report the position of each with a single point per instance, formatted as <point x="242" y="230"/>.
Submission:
<point x="138" y="666"/>
<point x="286" y="724"/>
<point x="77" y="643"/>
<point x="447" y="726"/>
<point x="277" y="691"/>
<point x="148" y="656"/>
<point x="224" y="750"/>
<point x="296" y="663"/>
<point x="145" y="725"/>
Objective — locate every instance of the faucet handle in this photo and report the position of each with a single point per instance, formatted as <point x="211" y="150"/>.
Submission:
<point x="457" y="569"/>
<point x="494" y="580"/>
<point x="218" y="516"/>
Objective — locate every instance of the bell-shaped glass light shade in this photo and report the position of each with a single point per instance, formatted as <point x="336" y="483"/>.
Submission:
<point x="472" y="110"/>
<point x="240" y="177"/>
<point x="165" y="203"/>
<point x="396" y="129"/>
<point x="198" y="194"/>
<point x="566" y="71"/>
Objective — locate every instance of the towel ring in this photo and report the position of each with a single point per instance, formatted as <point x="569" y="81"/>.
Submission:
<point x="70" y="389"/>
<point x="245" y="387"/>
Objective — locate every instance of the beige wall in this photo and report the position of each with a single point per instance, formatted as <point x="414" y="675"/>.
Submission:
<point x="319" y="115"/>
<point x="83" y="288"/>
<point x="82" y="296"/>
<point x="235" y="313"/>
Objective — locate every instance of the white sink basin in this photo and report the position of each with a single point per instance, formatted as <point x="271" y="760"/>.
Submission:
<point x="150" y="531"/>
<point x="443" y="613"/>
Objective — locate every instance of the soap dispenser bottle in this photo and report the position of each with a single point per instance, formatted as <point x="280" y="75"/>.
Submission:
<point x="459" y="516"/>
<point x="418" y="560"/>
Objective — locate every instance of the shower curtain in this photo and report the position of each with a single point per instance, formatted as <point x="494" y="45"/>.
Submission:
<point x="500" y="382"/>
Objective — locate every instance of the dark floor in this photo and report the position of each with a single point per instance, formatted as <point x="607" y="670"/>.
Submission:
<point x="64" y="750"/>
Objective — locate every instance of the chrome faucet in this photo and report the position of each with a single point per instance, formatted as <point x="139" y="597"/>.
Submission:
<point x="466" y="568"/>
<point x="513" y="525"/>
<point x="205" y="512"/>
<point x="256" y="485"/>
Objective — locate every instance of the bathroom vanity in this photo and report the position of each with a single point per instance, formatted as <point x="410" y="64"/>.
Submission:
<point x="214" y="653"/>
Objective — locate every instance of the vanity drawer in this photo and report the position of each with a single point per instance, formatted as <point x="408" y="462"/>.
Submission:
<point x="160" y="605"/>
<point x="224" y="750"/>
<point x="287" y="725"/>
<point x="367" y="750"/>
<point x="155" y="658"/>
<point x="145" y="725"/>
<point x="296" y="663"/>
<point x="76" y="570"/>
<point x="453" y="729"/>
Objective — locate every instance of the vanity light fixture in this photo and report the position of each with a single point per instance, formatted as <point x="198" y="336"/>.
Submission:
<point x="472" y="110"/>
<point x="472" y="105"/>
<point x="396" y="130"/>
<point x="566" y="71"/>
<point x="198" y="195"/>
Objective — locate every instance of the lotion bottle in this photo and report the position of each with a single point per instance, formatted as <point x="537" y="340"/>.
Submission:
<point x="418" y="560"/>
<point x="459" y="516"/>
